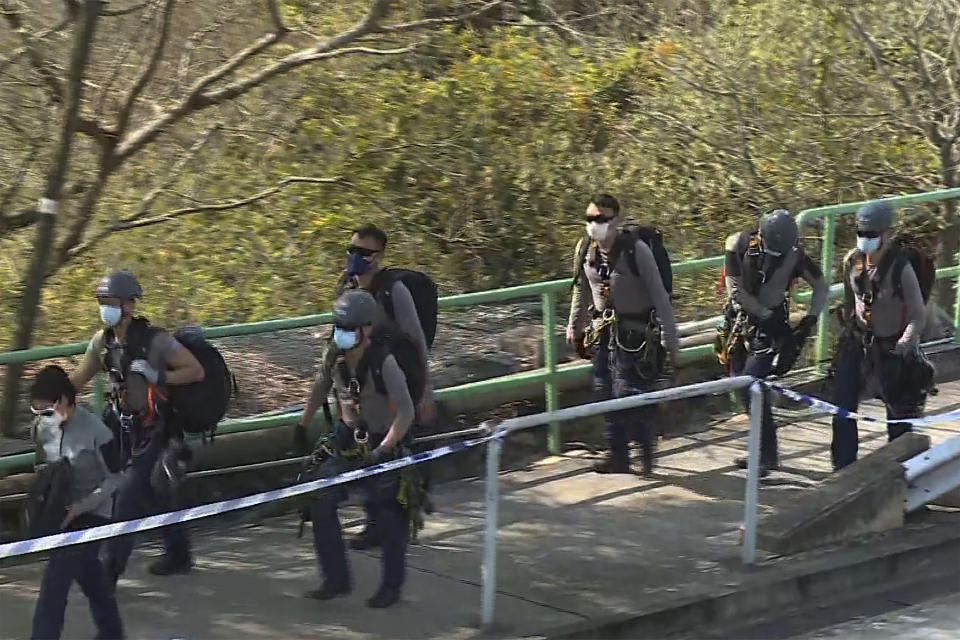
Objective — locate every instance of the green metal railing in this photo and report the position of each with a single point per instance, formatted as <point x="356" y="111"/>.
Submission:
<point x="551" y="374"/>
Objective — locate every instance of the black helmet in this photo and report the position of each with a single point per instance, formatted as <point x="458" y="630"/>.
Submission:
<point x="779" y="231"/>
<point x="119" y="284"/>
<point x="875" y="216"/>
<point x="355" y="308"/>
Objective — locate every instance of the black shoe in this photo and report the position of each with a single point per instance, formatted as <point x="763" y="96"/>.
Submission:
<point x="328" y="592"/>
<point x="167" y="566"/>
<point x="608" y="465"/>
<point x="366" y="539"/>
<point x="765" y="467"/>
<point x="385" y="597"/>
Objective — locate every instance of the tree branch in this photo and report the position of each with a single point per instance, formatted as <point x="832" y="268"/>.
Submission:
<point x="134" y="222"/>
<point x="416" y="25"/>
<point x="123" y="12"/>
<point x="166" y="18"/>
<point x="928" y="127"/>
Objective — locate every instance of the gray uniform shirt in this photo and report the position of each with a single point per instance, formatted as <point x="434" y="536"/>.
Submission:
<point x="628" y="294"/>
<point x="377" y="411"/>
<point x="901" y="317"/>
<point x="776" y="286"/>
<point x="87" y="444"/>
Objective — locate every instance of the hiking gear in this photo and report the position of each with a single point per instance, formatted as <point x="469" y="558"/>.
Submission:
<point x="119" y="284"/>
<point x="49" y="498"/>
<point x="779" y="232"/>
<point x="627" y="241"/>
<point x="354" y="309"/>
<point x="875" y="216"/>
<point x="422" y="290"/>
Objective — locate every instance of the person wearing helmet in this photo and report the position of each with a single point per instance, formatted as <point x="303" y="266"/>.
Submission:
<point x="140" y="361"/>
<point x="397" y="307"/>
<point x="377" y="409"/>
<point x="883" y="320"/>
<point x="761" y="267"/>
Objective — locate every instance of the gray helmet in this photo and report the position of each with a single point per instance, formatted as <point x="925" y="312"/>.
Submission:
<point x="875" y="216"/>
<point x="779" y="231"/>
<point x="355" y="308"/>
<point x="119" y="284"/>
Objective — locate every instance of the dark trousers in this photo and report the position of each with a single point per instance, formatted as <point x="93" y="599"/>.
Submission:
<point x="615" y="375"/>
<point x="80" y="563"/>
<point x="135" y="499"/>
<point x="847" y="387"/>
<point x="391" y="520"/>
<point x="759" y="365"/>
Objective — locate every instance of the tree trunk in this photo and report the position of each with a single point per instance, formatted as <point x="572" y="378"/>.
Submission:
<point x="32" y="285"/>
<point x="950" y="229"/>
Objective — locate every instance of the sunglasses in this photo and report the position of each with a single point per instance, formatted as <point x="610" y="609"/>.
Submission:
<point x="43" y="413"/>
<point x="864" y="233"/>
<point x="362" y="251"/>
<point x="600" y="219"/>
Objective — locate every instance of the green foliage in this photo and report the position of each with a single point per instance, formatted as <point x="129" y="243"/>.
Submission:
<point x="478" y="154"/>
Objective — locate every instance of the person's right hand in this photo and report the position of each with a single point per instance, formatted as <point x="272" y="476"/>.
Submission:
<point x="571" y="335"/>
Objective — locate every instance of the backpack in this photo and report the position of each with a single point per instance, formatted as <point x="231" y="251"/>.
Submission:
<point x="384" y="342"/>
<point x="923" y="263"/>
<point x="49" y="498"/>
<point x="906" y="250"/>
<point x="199" y="406"/>
<point x="627" y="241"/>
<point x="422" y="289"/>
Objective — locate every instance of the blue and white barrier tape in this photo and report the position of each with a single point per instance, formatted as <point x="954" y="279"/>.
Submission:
<point x="33" y="545"/>
<point x="832" y="409"/>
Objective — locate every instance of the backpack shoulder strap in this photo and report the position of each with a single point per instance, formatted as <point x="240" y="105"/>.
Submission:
<point x="579" y="257"/>
<point x="626" y="244"/>
<point x="372" y="361"/>
<point x="381" y="288"/>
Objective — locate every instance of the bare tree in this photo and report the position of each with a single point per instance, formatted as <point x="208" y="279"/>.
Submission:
<point x="128" y="119"/>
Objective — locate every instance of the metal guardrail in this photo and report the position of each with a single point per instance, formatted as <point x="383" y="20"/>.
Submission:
<point x="548" y="291"/>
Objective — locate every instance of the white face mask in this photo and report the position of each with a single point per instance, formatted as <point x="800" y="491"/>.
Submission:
<point x="598" y="231"/>
<point x="110" y="315"/>
<point x="344" y="339"/>
<point x="49" y="434"/>
<point x="868" y="246"/>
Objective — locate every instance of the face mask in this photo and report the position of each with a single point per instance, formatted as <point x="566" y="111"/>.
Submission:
<point x="110" y="315"/>
<point x="868" y="246"/>
<point x="49" y="435"/>
<point x="344" y="339"/>
<point x="598" y="231"/>
<point x="357" y="265"/>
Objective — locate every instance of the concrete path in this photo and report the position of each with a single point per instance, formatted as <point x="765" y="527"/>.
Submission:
<point x="574" y="546"/>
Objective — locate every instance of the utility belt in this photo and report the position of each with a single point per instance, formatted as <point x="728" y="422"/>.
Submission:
<point x="132" y="431"/>
<point x="635" y="334"/>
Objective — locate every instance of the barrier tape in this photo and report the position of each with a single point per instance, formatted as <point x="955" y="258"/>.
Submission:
<point x="34" y="545"/>
<point x="816" y="403"/>
<point x="69" y="538"/>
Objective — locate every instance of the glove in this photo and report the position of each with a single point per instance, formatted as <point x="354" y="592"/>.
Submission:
<point x="804" y="328"/>
<point x="145" y="369"/>
<point x="377" y="456"/>
<point x="300" y="444"/>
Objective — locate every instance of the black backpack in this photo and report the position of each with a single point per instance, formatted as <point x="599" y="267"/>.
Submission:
<point x="199" y="406"/>
<point x="49" y="498"/>
<point x="384" y="342"/>
<point x="422" y="289"/>
<point x="627" y="242"/>
<point x="922" y="261"/>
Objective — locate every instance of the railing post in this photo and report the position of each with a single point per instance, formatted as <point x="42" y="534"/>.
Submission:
<point x="753" y="475"/>
<point x="550" y="362"/>
<point x="98" y="390"/>
<point x="489" y="570"/>
<point x="956" y="307"/>
<point x="826" y="265"/>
